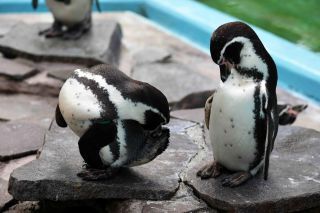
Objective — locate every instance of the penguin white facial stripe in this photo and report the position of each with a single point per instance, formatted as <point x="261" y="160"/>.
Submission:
<point x="126" y="108"/>
<point x="121" y="138"/>
<point x="249" y="58"/>
<point x="106" y="155"/>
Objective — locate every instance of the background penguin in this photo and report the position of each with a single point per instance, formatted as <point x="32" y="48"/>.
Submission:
<point x="243" y="117"/>
<point x="119" y="120"/>
<point x="75" y="15"/>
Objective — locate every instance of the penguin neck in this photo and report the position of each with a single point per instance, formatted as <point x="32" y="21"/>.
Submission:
<point x="238" y="78"/>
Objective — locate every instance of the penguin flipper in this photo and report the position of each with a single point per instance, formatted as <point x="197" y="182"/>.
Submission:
<point x="207" y="110"/>
<point x="97" y="136"/>
<point x="98" y="5"/>
<point x="59" y="118"/>
<point x="35" y="4"/>
<point x="272" y="130"/>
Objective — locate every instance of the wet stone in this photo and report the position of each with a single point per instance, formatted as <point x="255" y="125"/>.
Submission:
<point x="293" y="183"/>
<point x="54" y="175"/>
<point x="20" y="139"/>
<point x="167" y="76"/>
<point x="100" y="45"/>
<point x="14" y="70"/>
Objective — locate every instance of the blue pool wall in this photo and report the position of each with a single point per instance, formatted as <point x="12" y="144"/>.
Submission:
<point x="298" y="67"/>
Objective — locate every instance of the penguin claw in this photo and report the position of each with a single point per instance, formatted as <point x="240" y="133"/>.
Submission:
<point x="212" y="169"/>
<point x="90" y="174"/>
<point x="236" y="179"/>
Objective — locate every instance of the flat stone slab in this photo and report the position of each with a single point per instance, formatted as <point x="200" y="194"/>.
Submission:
<point x="13" y="107"/>
<point x="100" y="45"/>
<point x="293" y="183"/>
<point x="20" y="139"/>
<point x="175" y="80"/>
<point x="14" y="70"/>
<point x="195" y="115"/>
<point x="54" y="175"/>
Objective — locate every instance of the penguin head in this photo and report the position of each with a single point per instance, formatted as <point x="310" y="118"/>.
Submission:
<point x="235" y="44"/>
<point x="160" y="114"/>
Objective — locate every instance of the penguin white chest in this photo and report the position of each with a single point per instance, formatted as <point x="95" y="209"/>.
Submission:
<point x="232" y="124"/>
<point x="69" y="14"/>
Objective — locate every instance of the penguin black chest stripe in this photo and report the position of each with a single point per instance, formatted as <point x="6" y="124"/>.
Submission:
<point x="108" y="108"/>
<point x="125" y="107"/>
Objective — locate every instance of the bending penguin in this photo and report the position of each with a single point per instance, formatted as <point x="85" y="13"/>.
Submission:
<point x="119" y="120"/>
<point x="75" y="15"/>
<point x="241" y="115"/>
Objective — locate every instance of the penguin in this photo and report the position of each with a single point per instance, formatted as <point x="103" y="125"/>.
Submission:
<point x="119" y="120"/>
<point x="74" y="15"/>
<point x="241" y="115"/>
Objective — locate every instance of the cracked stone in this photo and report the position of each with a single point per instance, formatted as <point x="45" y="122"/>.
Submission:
<point x="100" y="45"/>
<point x="5" y="197"/>
<point x="293" y="183"/>
<point x="151" y="55"/>
<point x="17" y="71"/>
<point x="166" y="77"/>
<point x="20" y="139"/>
<point x="53" y="175"/>
<point x="20" y="106"/>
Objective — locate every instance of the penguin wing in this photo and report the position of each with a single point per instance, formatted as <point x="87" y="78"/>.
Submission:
<point x="59" y="118"/>
<point x="35" y="4"/>
<point x="207" y="110"/>
<point x="271" y="112"/>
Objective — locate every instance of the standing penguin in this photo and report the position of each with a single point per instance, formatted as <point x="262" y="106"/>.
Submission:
<point x="242" y="115"/>
<point x="75" y="15"/>
<point x="119" y="120"/>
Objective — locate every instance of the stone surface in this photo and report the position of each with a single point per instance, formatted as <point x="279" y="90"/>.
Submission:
<point x="293" y="183"/>
<point x="20" y="139"/>
<point x="6" y="25"/>
<point x="53" y="175"/>
<point x="5" y="197"/>
<point x="25" y="207"/>
<point x="151" y="55"/>
<point x="100" y="45"/>
<point x="8" y="166"/>
<point x="14" y="70"/>
<point x="167" y="76"/>
<point x="13" y="107"/>
<point x="195" y="115"/>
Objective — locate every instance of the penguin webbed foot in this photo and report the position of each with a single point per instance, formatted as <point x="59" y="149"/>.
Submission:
<point x="212" y="169"/>
<point x="76" y="31"/>
<point x="93" y="174"/>
<point x="236" y="179"/>
<point x="54" y="31"/>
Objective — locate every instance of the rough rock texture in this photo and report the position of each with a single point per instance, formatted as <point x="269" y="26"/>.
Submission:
<point x="15" y="107"/>
<point x="14" y="70"/>
<point x="20" y="139"/>
<point x="53" y="175"/>
<point x="293" y="184"/>
<point x="5" y="197"/>
<point x="100" y="45"/>
<point x="167" y="76"/>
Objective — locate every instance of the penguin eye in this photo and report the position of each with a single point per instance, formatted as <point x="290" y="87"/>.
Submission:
<point x="232" y="52"/>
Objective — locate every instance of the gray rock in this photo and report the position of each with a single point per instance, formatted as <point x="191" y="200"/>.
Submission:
<point x="5" y="197"/>
<point x="14" y="70"/>
<point x="293" y="183"/>
<point x="6" y="26"/>
<point x="25" y="207"/>
<point x="19" y="139"/>
<point x="173" y="79"/>
<point x="195" y="115"/>
<point x="53" y="175"/>
<point x="13" y="107"/>
<point x="100" y="45"/>
<point x="151" y="55"/>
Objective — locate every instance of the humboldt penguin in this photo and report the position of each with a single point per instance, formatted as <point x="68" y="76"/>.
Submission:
<point x="241" y="115"/>
<point x="74" y="15"/>
<point x="119" y="120"/>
